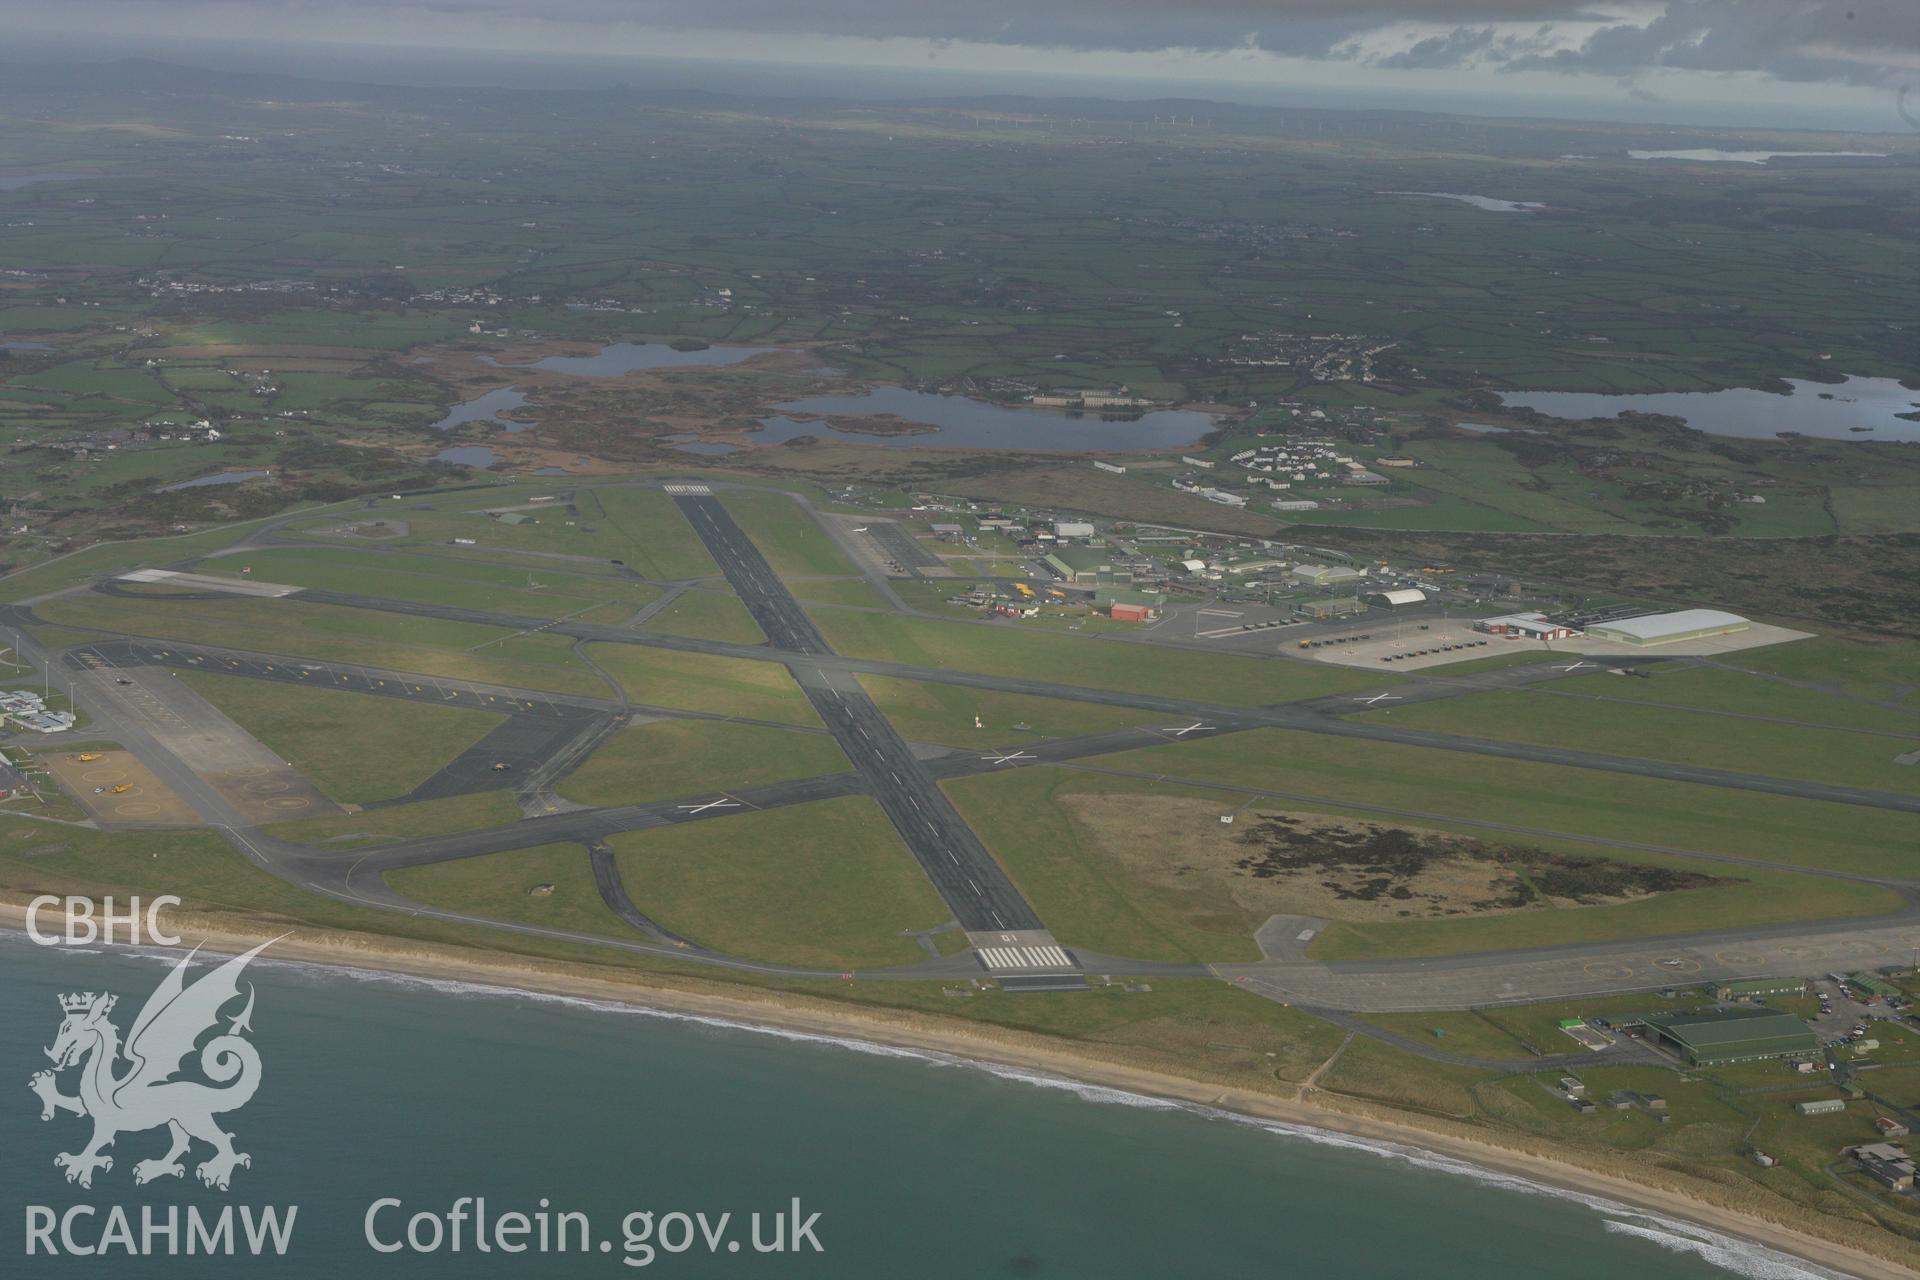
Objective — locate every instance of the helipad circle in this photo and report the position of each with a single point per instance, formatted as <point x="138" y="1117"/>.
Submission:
<point x="104" y="775"/>
<point x="251" y="771"/>
<point x="1734" y="956"/>
<point x="1677" y="964"/>
<point x="287" y="803"/>
<point x="1801" y="951"/>
<point x="136" y="808"/>
<point x="265" y="788"/>
<point x="1608" y="969"/>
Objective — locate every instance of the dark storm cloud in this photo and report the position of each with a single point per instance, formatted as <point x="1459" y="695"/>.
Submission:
<point x="1791" y="39"/>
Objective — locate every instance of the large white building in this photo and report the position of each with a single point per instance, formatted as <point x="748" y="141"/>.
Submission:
<point x="1670" y="628"/>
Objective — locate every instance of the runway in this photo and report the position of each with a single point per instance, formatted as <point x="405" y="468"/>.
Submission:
<point x="983" y="899"/>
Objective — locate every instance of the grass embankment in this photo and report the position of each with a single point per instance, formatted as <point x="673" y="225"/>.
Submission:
<point x="663" y="759"/>
<point x="356" y="747"/>
<point x="825" y="884"/>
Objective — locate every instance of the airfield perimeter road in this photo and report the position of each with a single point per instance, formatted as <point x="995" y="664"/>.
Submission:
<point x="982" y="897"/>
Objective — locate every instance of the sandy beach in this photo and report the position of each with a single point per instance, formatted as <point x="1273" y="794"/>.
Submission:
<point x="1034" y="1054"/>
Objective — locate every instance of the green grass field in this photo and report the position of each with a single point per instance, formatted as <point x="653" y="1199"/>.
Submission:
<point x="699" y="682"/>
<point x="1089" y="895"/>
<point x="1581" y="803"/>
<point x="708" y="615"/>
<point x="1465" y="1032"/>
<point x="848" y="591"/>
<point x="466" y="584"/>
<point x="791" y="540"/>
<point x="1746" y="693"/>
<point x="647" y="531"/>
<point x="827" y="884"/>
<point x="330" y="736"/>
<point x="1036" y="655"/>
<point x="501" y="885"/>
<point x="1085" y="897"/>
<point x="392" y="823"/>
<point x="1877" y="669"/>
<point x="662" y="759"/>
<point x="1658" y="733"/>
<point x="426" y="646"/>
<point x="943" y="713"/>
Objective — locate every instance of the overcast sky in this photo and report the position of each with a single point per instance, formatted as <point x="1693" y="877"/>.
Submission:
<point x="1708" y="59"/>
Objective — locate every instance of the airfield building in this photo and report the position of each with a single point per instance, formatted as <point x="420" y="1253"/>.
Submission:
<point x="1402" y="598"/>
<point x="1326" y="575"/>
<point x="1530" y="626"/>
<point x="1711" y="1037"/>
<point x="1670" y="628"/>
<point x="1084" y="565"/>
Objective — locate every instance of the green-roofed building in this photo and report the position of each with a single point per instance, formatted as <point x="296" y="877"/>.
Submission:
<point x="1868" y="984"/>
<point x="1711" y="1037"/>
<point x="1085" y="564"/>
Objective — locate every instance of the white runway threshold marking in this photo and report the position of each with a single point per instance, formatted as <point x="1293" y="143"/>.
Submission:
<point x="688" y="490"/>
<point x="1025" y="958"/>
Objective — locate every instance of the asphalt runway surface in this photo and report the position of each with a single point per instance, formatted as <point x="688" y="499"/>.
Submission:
<point x="901" y="547"/>
<point x="966" y="875"/>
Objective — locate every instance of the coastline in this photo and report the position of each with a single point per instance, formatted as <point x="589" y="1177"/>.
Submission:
<point x="1016" y="1052"/>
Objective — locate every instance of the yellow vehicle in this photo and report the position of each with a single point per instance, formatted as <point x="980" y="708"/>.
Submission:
<point x="120" y="788"/>
<point x="87" y="757"/>
<point x="1057" y="595"/>
<point x="1023" y="588"/>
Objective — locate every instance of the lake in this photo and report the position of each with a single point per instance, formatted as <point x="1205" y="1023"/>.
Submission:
<point x="1716" y="155"/>
<point x="978" y="424"/>
<point x="218" y="477"/>
<point x="694" y="444"/>
<point x="617" y="358"/>
<point x="1489" y="203"/>
<point x="466" y="455"/>
<point x="488" y="408"/>
<point x="919" y="1166"/>
<point x="1826" y="409"/>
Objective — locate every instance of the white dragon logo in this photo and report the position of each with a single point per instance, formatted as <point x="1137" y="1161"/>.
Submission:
<point x="147" y="1096"/>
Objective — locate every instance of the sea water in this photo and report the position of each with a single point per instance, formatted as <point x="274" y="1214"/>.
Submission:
<point x="384" y="1089"/>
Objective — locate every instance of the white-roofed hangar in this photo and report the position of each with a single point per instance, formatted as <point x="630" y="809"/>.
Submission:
<point x="1669" y="628"/>
<point x="1401" y="598"/>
